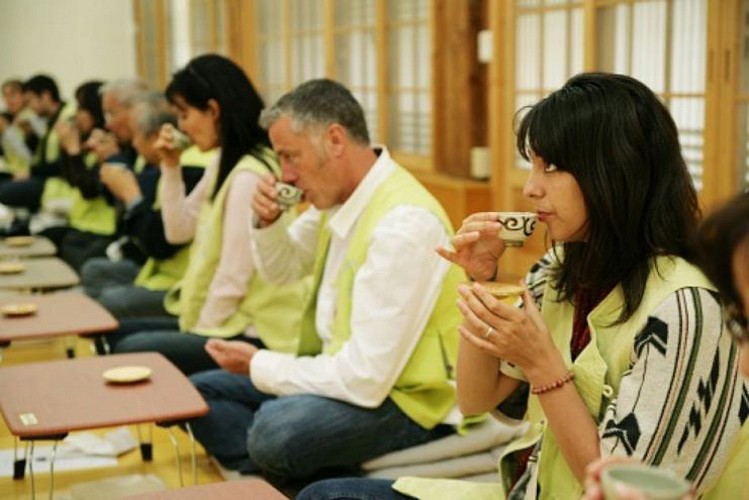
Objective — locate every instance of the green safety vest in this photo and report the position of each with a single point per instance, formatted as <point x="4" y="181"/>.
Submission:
<point x="93" y="216"/>
<point x="14" y="163"/>
<point x="423" y="390"/>
<point x="273" y="310"/>
<point x="162" y="274"/>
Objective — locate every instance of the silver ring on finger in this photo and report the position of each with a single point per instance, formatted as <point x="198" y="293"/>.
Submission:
<point x="489" y="332"/>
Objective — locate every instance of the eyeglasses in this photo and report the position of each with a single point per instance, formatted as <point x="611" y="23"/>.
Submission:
<point x="736" y="323"/>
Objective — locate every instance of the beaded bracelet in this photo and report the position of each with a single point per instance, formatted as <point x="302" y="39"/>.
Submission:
<point x="554" y="385"/>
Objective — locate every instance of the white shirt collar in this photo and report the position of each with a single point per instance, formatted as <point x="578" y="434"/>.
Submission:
<point x="344" y="217"/>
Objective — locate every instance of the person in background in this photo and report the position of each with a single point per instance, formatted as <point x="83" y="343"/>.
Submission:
<point x="131" y="287"/>
<point x="91" y="218"/>
<point x="724" y="256"/>
<point x="12" y="91"/>
<point x="117" y="100"/>
<point x="43" y="98"/>
<point x="619" y="333"/>
<point x="29" y="123"/>
<point x="17" y="136"/>
<point x="372" y="373"/>
<point x="220" y="294"/>
<point x="723" y="246"/>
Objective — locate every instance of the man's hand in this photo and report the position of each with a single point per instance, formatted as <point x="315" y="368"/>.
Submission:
<point x="102" y="144"/>
<point x="70" y="139"/>
<point x="232" y="355"/>
<point x="265" y="202"/>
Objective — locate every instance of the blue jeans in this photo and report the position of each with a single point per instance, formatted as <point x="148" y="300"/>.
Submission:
<point x="100" y="273"/>
<point x="111" y="284"/>
<point x="26" y="193"/>
<point x="351" y="489"/>
<point x="296" y="436"/>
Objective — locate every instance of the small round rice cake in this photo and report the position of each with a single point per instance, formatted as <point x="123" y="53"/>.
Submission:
<point x="502" y="290"/>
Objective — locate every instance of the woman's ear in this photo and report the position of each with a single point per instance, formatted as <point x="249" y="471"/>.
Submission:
<point x="214" y="108"/>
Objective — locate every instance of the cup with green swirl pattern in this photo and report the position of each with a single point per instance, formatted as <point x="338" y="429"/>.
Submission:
<point x="288" y="195"/>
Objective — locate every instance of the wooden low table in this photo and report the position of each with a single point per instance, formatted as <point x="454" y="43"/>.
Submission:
<point x="57" y="314"/>
<point x="249" y="488"/>
<point x="41" y="274"/>
<point x="49" y="400"/>
<point x="41" y="247"/>
<point x="43" y="400"/>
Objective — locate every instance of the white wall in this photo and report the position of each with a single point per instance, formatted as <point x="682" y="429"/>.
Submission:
<point x="71" y="40"/>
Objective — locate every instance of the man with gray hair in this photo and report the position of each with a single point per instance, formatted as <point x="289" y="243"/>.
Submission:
<point x="129" y="287"/>
<point x="117" y="100"/>
<point x="379" y="336"/>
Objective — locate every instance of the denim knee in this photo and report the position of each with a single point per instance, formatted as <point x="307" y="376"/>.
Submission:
<point x="274" y="441"/>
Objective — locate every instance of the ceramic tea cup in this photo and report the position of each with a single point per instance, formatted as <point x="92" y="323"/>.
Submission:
<point x="288" y="195"/>
<point x="652" y="482"/>
<point x="180" y="140"/>
<point x="516" y="227"/>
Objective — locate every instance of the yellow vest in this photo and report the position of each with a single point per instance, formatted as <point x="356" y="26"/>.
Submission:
<point x="14" y="163"/>
<point x="93" y="216"/>
<point x="162" y="274"/>
<point x="274" y="311"/>
<point x="423" y="390"/>
<point x="598" y="370"/>
<point x="140" y="164"/>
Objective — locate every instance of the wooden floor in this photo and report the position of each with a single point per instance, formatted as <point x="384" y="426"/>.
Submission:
<point x="163" y="465"/>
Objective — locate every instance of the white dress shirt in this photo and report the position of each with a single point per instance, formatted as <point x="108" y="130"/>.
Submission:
<point x="393" y="295"/>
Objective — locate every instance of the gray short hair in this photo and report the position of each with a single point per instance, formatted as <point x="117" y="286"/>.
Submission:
<point x="319" y="103"/>
<point x="151" y="110"/>
<point x="126" y="90"/>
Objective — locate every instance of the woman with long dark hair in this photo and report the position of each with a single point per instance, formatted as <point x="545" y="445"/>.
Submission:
<point x="619" y="347"/>
<point x="220" y="294"/>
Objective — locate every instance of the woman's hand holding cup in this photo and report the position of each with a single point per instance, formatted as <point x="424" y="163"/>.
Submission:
<point x="170" y="144"/>
<point x="476" y="247"/>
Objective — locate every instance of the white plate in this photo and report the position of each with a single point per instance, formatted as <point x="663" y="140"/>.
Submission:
<point x="127" y="374"/>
